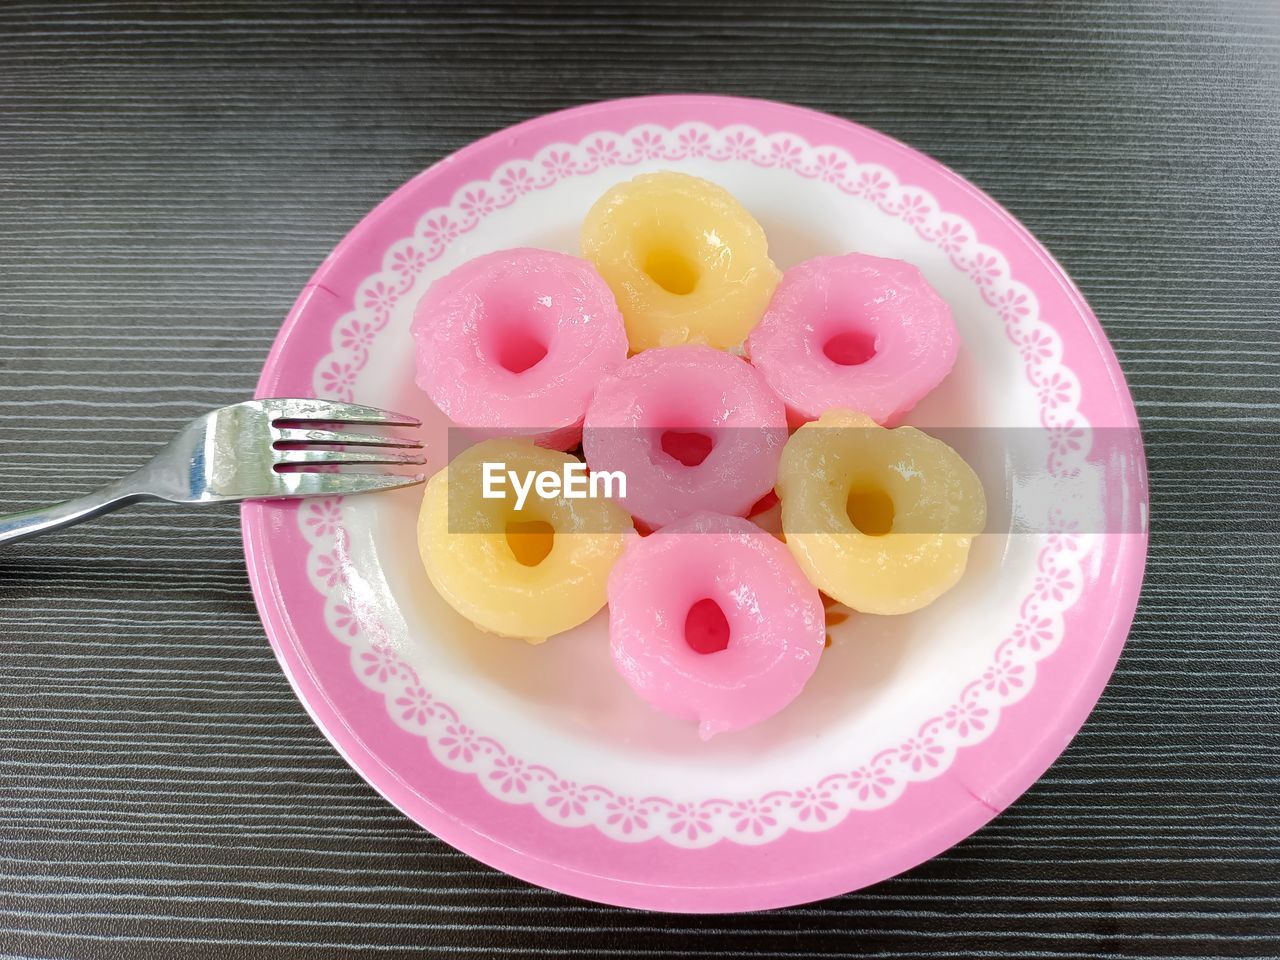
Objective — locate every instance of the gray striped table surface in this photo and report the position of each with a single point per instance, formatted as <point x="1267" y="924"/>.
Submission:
<point x="170" y="175"/>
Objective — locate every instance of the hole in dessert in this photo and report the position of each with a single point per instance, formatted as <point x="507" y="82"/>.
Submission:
<point x="530" y="540"/>
<point x="687" y="446"/>
<point x="706" y="629"/>
<point x="870" y="509"/>
<point x="850" y="348"/>
<point x="519" y="350"/>
<point x="671" y="271"/>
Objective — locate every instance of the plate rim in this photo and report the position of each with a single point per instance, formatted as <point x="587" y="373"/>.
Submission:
<point x="971" y="808"/>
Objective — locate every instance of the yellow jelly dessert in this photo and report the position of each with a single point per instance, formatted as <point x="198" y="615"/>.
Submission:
<point x="879" y="519"/>
<point x="685" y="261"/>
<point x="520" y="566"/>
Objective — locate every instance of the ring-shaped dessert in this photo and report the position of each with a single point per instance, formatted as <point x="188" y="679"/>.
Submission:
<point x="513" y="343"/>
<point x="854" y="332"/>
<point x="686" y="261"/>
<point x="880" y="520"/>
<point x="691" y="428"/>
<point x="530" y="572"/>
<point x="711" y="620"/>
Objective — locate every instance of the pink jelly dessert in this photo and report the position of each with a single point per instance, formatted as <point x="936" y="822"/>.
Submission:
<point x="691" y="427"/>
<point x="710" y="619"/>
<point x="854" y="332"/>
<point x="514" y="342"/>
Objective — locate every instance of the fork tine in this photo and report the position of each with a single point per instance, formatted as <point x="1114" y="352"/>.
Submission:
<point x="335" y="411"/>
<point x="341" y="457"/>
<point x="303" y="435"/>
<point x="341" y="484"/>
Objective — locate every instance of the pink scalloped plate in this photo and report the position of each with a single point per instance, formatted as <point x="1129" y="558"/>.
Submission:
<point x="914" y="731"/>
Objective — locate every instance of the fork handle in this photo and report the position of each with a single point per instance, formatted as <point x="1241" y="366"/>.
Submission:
<point x="29" y="523"/>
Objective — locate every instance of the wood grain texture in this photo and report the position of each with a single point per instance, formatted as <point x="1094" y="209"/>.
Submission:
<point x="170" y="175"/>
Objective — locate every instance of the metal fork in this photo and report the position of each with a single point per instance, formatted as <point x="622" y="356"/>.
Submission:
<point x="235" y="454"/>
